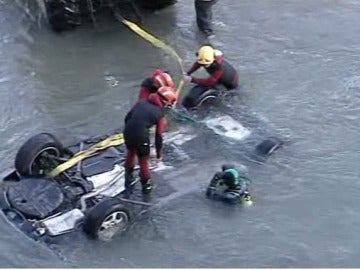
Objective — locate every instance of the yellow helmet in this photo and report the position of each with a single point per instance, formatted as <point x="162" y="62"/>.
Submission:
<point x="206" y="55"/>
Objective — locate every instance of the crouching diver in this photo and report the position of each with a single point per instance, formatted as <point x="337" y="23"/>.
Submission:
<point x="229" y="186"/>
<point x="221" y="72"/>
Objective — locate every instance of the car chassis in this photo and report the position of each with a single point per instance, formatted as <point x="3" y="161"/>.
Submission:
<point x="56" y="189"/>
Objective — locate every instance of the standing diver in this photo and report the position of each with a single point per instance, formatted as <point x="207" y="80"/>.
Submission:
<point x="138" y="121"/>
<point x="229" y="186"/>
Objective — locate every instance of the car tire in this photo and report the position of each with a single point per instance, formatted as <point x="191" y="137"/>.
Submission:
<point x="106" y="219"/>
<point x="268" y="146"/>
<point x="198" y="95"/>
<point x="58" y="16"/>
<point x="208" y="97"/>
<point x="30" y="159"/>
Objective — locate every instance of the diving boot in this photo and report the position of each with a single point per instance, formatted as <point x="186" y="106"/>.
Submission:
<point x="147" y="186"/>
<point x="130" y="179"/>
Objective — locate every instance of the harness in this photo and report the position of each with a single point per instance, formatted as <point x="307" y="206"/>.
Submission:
<point x="114" y="140"/>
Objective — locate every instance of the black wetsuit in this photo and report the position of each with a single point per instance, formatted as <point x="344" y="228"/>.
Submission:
<point x="232" y="192"/>
<point x="144" y="115"/>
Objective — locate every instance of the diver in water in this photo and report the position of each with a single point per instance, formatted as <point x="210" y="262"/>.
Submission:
<point x="145" y="114"/>
<point x="229" y="186"/>
<point x="222" y="73"/>
<point x="157" y="79"/>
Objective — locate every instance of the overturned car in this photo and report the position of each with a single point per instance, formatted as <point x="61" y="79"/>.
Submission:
<point x="55" y="189"/>
<point x="67" y="14"/>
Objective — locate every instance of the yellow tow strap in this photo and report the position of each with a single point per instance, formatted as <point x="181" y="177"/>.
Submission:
<point x="157" y="43"/>
<point x="114" y="140"/>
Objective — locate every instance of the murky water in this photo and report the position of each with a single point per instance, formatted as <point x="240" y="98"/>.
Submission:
<point x="299" y="69"/>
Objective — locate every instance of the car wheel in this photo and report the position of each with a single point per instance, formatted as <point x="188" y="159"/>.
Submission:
<point x="208" y="97"/>
<point x="35" y="156"/>
<point x="268" y="146"/>
<point x="196" y="96"/>
<point x="106" y="219"/>
<point x="63" y="15"/>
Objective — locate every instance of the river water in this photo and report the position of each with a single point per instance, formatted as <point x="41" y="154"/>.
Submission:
<point x="299" y="66"/>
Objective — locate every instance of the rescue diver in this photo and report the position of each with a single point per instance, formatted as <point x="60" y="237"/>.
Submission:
<point x="222" y="73"/>
<point x="151" y="84"/>
<point x="145" y="114"/>
<point x="229" y="186"/>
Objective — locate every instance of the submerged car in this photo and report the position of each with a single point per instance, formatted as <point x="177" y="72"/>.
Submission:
<point x="55" y="189"/>
<point x="199" y="95"/>
<point x="67" y="14"/>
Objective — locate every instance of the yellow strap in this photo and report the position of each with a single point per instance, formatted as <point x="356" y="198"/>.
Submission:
<point x="157" y="43"/>
<point x="114" y="140"/>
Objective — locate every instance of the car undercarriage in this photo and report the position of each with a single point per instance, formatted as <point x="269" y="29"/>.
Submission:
<point x="67" y="14"/>
<point x="87" y="194"/>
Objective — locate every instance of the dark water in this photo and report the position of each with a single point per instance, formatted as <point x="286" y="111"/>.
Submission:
<point x="299" y="63"/>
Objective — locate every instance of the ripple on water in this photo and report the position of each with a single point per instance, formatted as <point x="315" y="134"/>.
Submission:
<point x="347" y="100"/>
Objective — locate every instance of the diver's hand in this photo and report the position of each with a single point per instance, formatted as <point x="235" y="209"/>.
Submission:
<point x="186" y="78"/>
<point x="246" y="196"/>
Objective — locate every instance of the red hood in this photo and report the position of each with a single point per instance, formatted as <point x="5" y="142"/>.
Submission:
<point x="219" y="59"/>
<point x="155" y="73"/>
<point x="155" y="99"/>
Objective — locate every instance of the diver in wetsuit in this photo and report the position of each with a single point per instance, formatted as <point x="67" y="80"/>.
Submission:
<point x="221" y="72"/>
<point x="145" y="114"/>
<point x="229" y="186"/>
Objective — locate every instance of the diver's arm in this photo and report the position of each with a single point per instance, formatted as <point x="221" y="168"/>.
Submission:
<point x="160" y="128"/>
<point x="211" y="190"/>
<point x="209" y="82"/>
<point x="194" y="67"/>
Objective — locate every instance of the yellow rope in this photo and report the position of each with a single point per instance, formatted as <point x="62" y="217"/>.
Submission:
<point x="113" y="140"/>
<point x="157" y="43"/>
